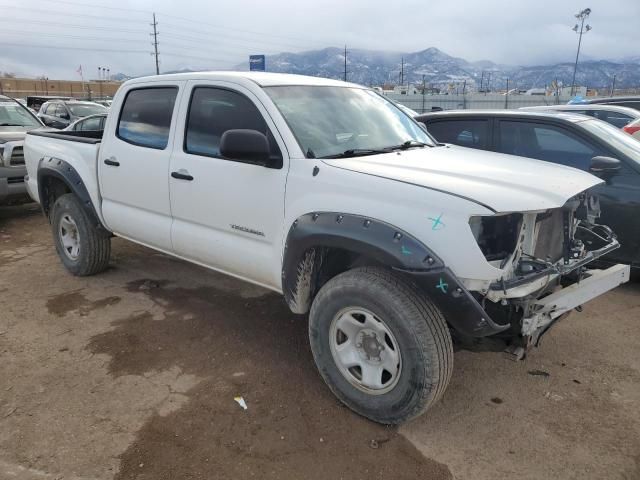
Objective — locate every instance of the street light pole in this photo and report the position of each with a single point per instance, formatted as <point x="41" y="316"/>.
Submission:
<point x="582" y="16"/>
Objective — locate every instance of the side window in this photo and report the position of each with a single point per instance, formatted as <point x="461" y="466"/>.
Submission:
<point x="51" y="109"/>
<point x="212" y="112"/>
<point x="90" y="124"/>
<point x="614" y="118"/>
<point x="545" y="142"/>
<point x="467" y="133"/>
<point x="145" y="119"/>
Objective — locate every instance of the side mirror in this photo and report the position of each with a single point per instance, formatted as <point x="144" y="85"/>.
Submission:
<point x="249" y="146"/>
<point x="604" y="165"/>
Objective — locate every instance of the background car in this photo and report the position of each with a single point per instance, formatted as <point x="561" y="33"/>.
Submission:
<point x="633" y="129"/>
<point x="61" y="113"/>
<point x="631" y="102"/>
<point x="613" y="114"/>
<point x="91" y="123"/>
<point x="564" y="138"/>
<point x="15" y="121"/>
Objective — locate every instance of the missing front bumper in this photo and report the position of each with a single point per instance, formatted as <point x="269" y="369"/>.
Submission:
<point x="551" y="307"/>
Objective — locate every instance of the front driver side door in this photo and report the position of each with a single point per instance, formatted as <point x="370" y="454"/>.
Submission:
<point x="227" y="214"/>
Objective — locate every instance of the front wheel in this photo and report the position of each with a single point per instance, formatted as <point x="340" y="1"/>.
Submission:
<point x="380" y="345"/>
<point x="82" y="247"/>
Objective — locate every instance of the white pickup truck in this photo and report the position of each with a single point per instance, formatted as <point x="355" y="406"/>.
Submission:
<point x="329" y="194"/>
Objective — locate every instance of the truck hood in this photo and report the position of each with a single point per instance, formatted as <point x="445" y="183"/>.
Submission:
<point x="13" y="133"/>
<point x="504" y="183"/>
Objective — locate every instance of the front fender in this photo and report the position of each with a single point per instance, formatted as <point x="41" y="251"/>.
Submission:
<point x="311" y="235"/>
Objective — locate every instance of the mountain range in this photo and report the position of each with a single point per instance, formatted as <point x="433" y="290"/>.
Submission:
<point x="371" y="67"/>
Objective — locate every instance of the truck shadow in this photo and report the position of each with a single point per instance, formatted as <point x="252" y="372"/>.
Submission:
<point x="254" y="348"/>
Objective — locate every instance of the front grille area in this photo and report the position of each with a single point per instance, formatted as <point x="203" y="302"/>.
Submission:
<point x="11" y="180"/>
<point x="17" y="156"/>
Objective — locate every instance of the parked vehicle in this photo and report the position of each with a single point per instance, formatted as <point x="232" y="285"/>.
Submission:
<point x="390" y="242"/>
<point x="90" y="123"/>
<point x="633" y="129"/>
<point x="61" y="113"/>
<point x="34" y="102"/>
<point x="631" y="102"/>
<point x="15" y="121"/>
<point x="104" y="103"/>
<point x="567" y="139"/>
<point x="613" y="114"/>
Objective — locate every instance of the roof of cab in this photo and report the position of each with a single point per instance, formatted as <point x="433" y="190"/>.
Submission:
<point x="264" y="79"/>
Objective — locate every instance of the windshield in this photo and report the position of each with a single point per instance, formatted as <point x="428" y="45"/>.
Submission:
<point x="86" y="109"/>
<point x="331" y="121"/>
<point x="15" y="115"/>
<point x="615" y="137"/>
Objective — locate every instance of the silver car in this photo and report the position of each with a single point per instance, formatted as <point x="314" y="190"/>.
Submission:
<point x="15" y="121"/>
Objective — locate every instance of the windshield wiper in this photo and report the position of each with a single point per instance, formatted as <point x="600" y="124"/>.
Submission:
<point x="358" y="152"/>
<point x="409" y="144"/>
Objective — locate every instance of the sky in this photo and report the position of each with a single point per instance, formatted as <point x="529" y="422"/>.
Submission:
<point x="54" y="37"/>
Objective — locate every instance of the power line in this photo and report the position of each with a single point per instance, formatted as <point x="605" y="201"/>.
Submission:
<point x="59" y="35"/>
<point x="155" y="43"/>
<point x="66" y="14"/>
<point x="58" y="24"/>
<point x="89" y="49"/>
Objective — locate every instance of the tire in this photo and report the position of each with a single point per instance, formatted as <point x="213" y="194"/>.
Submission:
<point x="91" y="247"/>
<point x="417" y="331"/>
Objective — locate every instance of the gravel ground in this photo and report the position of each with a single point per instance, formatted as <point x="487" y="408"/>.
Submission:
<point x="133" y="374"/>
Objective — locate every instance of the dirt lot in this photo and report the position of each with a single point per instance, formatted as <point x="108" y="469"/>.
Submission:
<point x="133" y="374"/>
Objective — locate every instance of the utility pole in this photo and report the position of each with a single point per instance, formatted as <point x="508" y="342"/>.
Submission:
<point x="481" y="80"/>
<point x="488" y="83"/>
<point x="506" y="97"/>
<point x="464" y="98"/>
<point x="345" y="63"/>
<point x="582" y="16"/>
<point x="155" y="43"/>
<point x="100" y="80"/>
<point x="423" y="89"/>
<point x="402" y="72"/>
<point x="613" y="85"/>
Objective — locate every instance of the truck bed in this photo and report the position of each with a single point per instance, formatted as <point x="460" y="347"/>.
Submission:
<point x="91" y="136"/>
<point x="79" y="149"/>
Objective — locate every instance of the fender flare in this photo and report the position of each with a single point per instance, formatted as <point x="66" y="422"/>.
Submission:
<point x="61" y="170"/>
<point x="311" y="234"/>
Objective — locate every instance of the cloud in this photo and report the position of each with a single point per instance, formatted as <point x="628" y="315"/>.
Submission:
<point x="52" y="39"/>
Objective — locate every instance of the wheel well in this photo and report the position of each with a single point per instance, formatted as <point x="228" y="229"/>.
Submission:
<point x="51" y="188"/>
<point x="316" y="266"/>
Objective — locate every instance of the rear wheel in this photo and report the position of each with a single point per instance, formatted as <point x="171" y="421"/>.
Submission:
<point x="81" y="246"/>
<point x="381" y="346"/>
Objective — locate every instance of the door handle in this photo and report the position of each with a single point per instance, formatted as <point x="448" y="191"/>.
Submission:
<point x="112" y="161"/>
<point x="182" y="175"/>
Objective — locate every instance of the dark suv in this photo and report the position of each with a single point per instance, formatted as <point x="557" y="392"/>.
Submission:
<point x="631" y="102"/>
<point x="62" y="113"/>
<point x="567" y="139"/>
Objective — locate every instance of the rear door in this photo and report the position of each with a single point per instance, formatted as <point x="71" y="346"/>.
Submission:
<point x="227" y="214"/>
<point x="134" y="164"/>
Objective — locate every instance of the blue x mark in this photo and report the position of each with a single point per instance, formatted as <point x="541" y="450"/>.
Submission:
<point x="442" y="286"/>
<point x="437" y="222"/>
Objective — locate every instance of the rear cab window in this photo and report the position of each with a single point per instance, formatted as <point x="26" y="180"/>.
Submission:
<point x="145" y="117"/>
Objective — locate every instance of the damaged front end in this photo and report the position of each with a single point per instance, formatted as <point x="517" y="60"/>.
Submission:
<point x="544" y="256"/>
